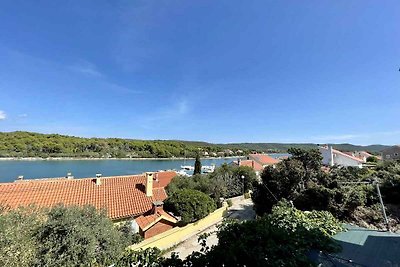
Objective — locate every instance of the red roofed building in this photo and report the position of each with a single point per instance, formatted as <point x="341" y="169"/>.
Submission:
<point x="257" y="162"/>
<point x="331" y="157"/>
<point x="123" y="197"/>
<point x="157" y="221"/>
<point x="263" y="159"/>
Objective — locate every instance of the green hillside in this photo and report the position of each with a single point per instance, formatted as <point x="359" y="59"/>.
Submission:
<point x="28" y="144"/>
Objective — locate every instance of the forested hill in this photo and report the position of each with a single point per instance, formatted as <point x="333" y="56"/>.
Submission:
<point x="27" y="144"/>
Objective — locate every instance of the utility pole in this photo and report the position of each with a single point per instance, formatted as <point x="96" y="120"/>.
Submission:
<point x="382" y="206"/>
<point x="243" y="184"/>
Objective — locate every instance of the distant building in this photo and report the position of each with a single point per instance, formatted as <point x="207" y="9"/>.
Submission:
<point x="363" y="155"/>
<point x="332" y="157"/>
<point x="134" y="198"/>
<point x="391" y="153"/>
<point x="257" y="162"/>
<point x="263" y="159"/>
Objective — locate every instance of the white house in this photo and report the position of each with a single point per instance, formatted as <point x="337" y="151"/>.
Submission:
<point x="333" y="157"/>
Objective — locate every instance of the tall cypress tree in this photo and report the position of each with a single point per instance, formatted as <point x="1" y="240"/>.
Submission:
<point x="197" y="165"/>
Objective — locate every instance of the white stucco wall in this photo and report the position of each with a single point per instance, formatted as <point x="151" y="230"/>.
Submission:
<point x="338" y="159"/>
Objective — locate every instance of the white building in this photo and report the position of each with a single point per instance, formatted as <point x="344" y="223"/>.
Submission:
<point x="333" y="157"/>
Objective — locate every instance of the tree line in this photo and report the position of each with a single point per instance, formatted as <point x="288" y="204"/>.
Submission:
<point x="27" y="144"/>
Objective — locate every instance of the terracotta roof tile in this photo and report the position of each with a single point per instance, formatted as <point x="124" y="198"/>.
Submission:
<point x="144" y="221"/>
<point x="252" y="164"/>
<point x="121" y="196"/>
<point x="163" y="178"/>
<point x="264" y="159"/>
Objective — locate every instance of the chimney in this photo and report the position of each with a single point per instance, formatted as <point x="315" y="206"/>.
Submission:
<point x="69" y="176"/>
<point x="149" y="184"/>
<point x="157" y="206"/>
<point x="98" y="178"/>
<point x="252" y="164"/>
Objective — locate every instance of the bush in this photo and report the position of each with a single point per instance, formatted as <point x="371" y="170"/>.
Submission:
<point x="75" y="236"/>
<point x="190" y="205"/>
<point x="292" y="219"/>
<point x="127" y="232"/>
<point x="269" y="241"/>
<point x="18" y="246"/>
<point x="229" y="202"/>
<point x="146" y="258"/>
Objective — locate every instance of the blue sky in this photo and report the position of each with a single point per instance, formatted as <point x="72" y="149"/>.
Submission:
<point x="218" y="71"/>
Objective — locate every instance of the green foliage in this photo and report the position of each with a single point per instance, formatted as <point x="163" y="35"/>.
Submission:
<point x="270" y="242"/>
<point x="372" y="159"/>
<point x="283" y="238"/>
<point x="150" y="257"/>
<point x="300" y="179"/>
<point x="283" y="181"/>
<point x="225" y="182"/>
<point x="314" y="222"/>
<point x="197" y="165"/>
<point x="127" y="232"/>
<point x="27" y="144"/>
<point x="74" y="236"/>
<point x="389" y="174"/>
<point x="229" y="202"/>
<point x="190" y="204"/>
<point x="18" y="246"/>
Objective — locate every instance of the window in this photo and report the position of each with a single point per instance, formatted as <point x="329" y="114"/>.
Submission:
<point x="396" y="154"/>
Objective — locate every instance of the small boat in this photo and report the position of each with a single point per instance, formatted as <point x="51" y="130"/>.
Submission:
<point x="208" y="169"/>
<point x="182" y="173"/>
<point x="187" y="167"/>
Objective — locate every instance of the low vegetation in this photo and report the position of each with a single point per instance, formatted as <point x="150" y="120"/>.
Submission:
<point x="348" y="193"/>
<point x="191" y="205"/>
<point x="225" y="182"/>
<point x="61" y="236"/>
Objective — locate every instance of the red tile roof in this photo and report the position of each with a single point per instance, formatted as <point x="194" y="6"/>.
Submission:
<point x="252" y="164"/>
<point x="163" y="178"/>
<point x="263" y="159"/>
<point x="146" y="221"/>
<point x="121" y="196"/>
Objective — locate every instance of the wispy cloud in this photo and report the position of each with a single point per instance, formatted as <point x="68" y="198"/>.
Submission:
<point x="170" y="114"/>
<point x="24" y="115"/>
<point x="3" y="115"/>
<point x="87" y="68"/>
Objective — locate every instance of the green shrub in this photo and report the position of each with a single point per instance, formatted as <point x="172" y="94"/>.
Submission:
<point x="229" y="202"/>
<point x="18" y="246"/>
<point x="190" y="205"/>
<point x="127" y="232"/>
<point x="78" y="236"/>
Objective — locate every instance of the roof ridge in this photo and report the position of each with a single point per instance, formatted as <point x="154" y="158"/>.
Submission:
<point x="64" y="179"/>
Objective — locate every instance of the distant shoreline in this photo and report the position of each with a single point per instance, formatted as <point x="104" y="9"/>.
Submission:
<point x="70" y="158"/>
